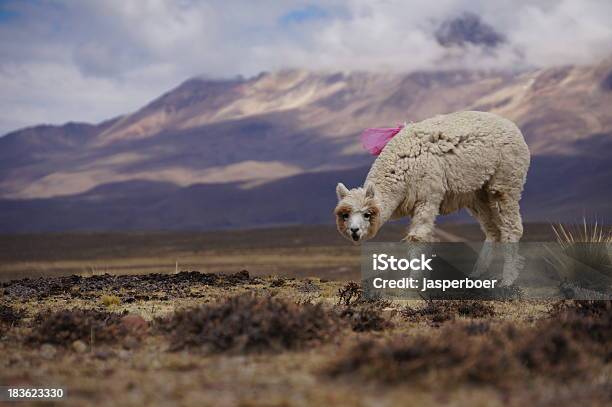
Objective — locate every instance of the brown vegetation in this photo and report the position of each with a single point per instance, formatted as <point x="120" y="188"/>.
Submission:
<point x="9" y="315"/>
<point x="249" y="323"/>
<point x="479" y="351"/>
<point x="127" y="288"/>
<point x="565" y="347"/>
<point x="365" y="318"/>
<point x="438" y="311"/>
<point x="90" y="326"/>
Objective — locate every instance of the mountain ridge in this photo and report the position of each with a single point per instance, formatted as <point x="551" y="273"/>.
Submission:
<point x="274" y="127"/>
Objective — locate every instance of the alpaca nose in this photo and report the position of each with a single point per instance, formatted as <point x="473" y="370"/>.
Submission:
<point x="354" y="230"/>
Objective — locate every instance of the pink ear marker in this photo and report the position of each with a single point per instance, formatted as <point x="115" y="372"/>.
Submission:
<point x="375" y="139"/>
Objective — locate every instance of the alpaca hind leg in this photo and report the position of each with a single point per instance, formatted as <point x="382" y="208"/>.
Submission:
<point x="488" y="217"/>
<point x="511" y="229"/>
<point x="510" y="222"/>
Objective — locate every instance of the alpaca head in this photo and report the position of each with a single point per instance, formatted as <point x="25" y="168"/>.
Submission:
<point x="357" y="212"/>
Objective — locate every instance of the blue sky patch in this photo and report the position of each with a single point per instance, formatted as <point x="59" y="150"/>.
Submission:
<point x="6" y="14"/>
<point x="307" y="13"/>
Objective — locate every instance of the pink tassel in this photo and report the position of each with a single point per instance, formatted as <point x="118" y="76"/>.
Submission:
<point x="375" y="139"/>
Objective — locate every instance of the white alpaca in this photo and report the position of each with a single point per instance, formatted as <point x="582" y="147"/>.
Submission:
<point x="470" y="160"/>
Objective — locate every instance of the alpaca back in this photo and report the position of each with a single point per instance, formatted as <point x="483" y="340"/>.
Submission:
<point x="455" y="153"/>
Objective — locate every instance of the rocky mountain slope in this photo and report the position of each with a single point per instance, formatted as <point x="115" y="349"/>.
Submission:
<point x="206" y="144"/>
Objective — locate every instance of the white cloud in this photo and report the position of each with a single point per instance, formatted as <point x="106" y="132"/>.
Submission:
<point x="89" y="61"/>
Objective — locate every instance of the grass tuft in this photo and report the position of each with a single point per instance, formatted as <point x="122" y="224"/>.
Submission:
<point x="583" y="257"/>
<point x="110" y="300"/>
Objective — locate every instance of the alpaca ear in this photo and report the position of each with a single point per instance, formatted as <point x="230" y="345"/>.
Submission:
<point x="341" y="191"/>
<point x="370" y="191"/>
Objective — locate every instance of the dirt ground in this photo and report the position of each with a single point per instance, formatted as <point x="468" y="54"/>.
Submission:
<point x="296" y="251"/>
<point x="293" y="336"/>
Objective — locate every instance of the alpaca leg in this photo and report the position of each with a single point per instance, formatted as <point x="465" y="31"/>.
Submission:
<point x="488" y="217"/>
<point x="511" y="224"/>
<point x="511" y="229"/>
<point x="422" y="224"/>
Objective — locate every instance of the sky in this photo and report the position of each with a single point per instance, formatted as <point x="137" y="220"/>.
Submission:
<point x="93" y="60"/>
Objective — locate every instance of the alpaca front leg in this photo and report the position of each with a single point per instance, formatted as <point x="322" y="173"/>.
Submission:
<point x="422" y="224"/>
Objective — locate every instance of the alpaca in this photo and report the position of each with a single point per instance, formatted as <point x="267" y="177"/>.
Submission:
<point x="472" y="160"/>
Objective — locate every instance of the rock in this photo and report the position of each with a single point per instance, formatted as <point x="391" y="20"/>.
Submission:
<point x="47" y="351"/>
<point x="79" y="346"/>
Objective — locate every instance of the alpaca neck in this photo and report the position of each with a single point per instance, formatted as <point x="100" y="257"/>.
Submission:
<point x="388" y="203"/>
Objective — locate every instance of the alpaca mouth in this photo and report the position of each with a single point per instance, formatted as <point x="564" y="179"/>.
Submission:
<point x="355" y="236"/>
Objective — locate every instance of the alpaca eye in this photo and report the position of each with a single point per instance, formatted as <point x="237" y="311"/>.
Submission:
<point x="345" y="216"/>
<point x="367" y="215"/>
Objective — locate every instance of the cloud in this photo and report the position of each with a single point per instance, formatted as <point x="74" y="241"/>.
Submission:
<point x="89" y="61"/>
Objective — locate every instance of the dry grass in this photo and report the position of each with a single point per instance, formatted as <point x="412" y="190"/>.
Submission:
<point x="437" y="311"/>
<point x="297" y="344"/>
<point x="584" y="256"/>
<point x="297" y="251"/>
<point x="288" y="371"/>
<point x="110" y="300"/>
<point x="585" y="233"/>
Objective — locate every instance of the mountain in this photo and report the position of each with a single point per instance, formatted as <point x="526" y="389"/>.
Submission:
<point x="558" y="188"/>
<point x="269" y="149"/>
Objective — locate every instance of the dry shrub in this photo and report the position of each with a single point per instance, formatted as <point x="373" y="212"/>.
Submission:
<point x="475" y="309"/>
<point x="365" y="318"/>
<point x="363" y="314"/>
<point x="351" y="294"/>
<point x="573" y="341"/>
<point x="586" y="321"/>
<point x="562" y="348"/>
<point x="66" y="326"/>
<point x="278" y="282"/>
<point x="9" y="315"/>
<point x="433" y="311"/>
<point x="249" y="323"/>
<point x="599" y="308"/>
<point x="452" y="356"/>
<point x="438" y="311"/>
<point x="553" y="352"/>
<point x="589" y="308"/>
<point x="476" y="328"/>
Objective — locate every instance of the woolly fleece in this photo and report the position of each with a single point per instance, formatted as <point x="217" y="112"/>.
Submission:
<point x="472" y="160"/>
